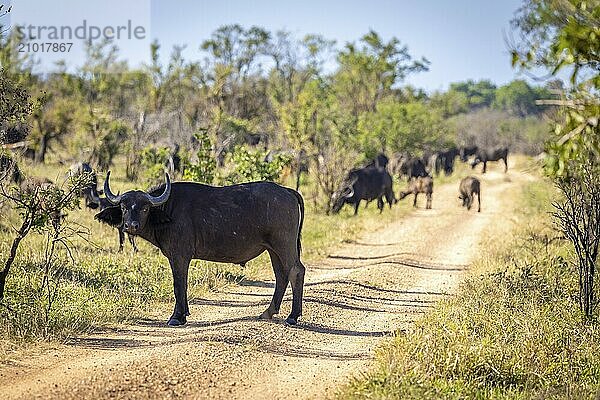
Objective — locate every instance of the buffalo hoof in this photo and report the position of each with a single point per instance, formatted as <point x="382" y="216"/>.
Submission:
<point x="265" y="315"/>
<point x="291" y="321"/>
<point x="176" y="322"/>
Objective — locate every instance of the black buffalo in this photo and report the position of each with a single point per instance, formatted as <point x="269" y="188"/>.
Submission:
<point x="364" y="184"/>
<point x="467" y="151"/>
<point x="485" y="155"/>
<point x="90" y="191"/>
<point x="444" y="161"/>
<point x="232" y="224"/>
<point x="381" y="161"/>
<point x="411" y="167"/>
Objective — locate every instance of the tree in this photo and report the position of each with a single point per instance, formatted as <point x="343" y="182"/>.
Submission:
<point x="555" y="34"/>
<point x="558" y="34"/>
<point x="367" y="73"/>
<point x="15" y="103"/>
<point x="40" y="206"/>
<point x="518" y="98"/>
<point x="479" y="94"/>
<point x="451" y="102"/>
<point x="15" y="75"/>
<point x="395" y="127"/>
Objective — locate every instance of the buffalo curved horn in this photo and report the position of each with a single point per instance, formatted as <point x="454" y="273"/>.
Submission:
<point x="350" y="193"/>
<point x="109" y="194"/>
<point x="350" y="188"/>
<point x="94" y="195"/>
<point x="157" y="201"/>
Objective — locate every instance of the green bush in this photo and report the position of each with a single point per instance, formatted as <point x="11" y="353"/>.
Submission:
<point x="203" y="170"/>
<point x="251" y="166"/>
<point x="153" y="162"/>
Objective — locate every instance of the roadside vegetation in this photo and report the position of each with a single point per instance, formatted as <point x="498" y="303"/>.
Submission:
<point x="513" y="330"/>
<point x="525" y="324"/>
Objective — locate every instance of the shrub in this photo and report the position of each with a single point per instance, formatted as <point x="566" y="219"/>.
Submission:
<point x="203" y="169"/>
<point x="153" y="162"/>
<point x="252" y="166"/>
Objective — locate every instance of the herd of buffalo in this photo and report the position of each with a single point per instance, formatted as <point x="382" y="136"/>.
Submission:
<point x="235" y="224"/>
<point x="374" y="181"/>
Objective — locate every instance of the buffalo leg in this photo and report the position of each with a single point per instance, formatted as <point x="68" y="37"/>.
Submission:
<point x="179" y="268"/>
<point x="478" y="202"/>
<point x="121" y="240"/>
<point x="297" y="282"/>
<point x="380" y="204"/>
<point x="132" y="241"/>
<point x="484" y="167"/>
<point x="281" y="282"/>
<point x="429" y="201"/>
<point x="356" y="205"/>
<point x="390" y="198"/>
<point x="505" y="164"/>
<point x="415" y="200"/>
<point x="469" y="202"/>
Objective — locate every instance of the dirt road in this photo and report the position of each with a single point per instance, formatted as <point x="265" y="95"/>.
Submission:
<point x="354" y="299"/>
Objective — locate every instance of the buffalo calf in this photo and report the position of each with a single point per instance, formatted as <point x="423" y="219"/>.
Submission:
<point x="469" y="187"/>
<point x="420" y="185"/>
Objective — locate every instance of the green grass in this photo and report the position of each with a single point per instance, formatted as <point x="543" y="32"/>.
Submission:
<point x="513" y="331"/>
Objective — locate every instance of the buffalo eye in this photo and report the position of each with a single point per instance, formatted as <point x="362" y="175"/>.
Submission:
<point x="146" y="209"/>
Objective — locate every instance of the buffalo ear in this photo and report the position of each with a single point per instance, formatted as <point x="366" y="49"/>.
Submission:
<point x="158" y="216"/>
<point x="112" y="216"/>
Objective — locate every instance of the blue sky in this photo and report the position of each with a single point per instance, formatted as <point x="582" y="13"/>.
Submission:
<point x="463" y="39"/>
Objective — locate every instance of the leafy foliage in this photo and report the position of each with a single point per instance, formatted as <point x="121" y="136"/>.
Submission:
<point x="204" y="168"/>
<point x="15" y="104"/>
<point x="154" y="160"/>
<point x="251" y="166"/>
<point x="558" y="34"/>
<point x="395" y="127"/>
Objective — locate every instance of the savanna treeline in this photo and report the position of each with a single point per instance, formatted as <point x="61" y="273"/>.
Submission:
<point x="256" y="91"/>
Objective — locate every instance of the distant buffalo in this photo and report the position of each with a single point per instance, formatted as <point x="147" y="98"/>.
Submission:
<point x="381" y="161"/>
<point x="485" y="155"/>
<point x="364" y="184"/>
<point x="444" y="161"/>
<point x="411" y="167"/>
<point x="466" y="151"/>
<point x="469" y="187"/>
<point x="9" y="168"/>
<point x="90" y="191"/>
<point x="419" y="185"/>
<point x="232" y="224"/>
